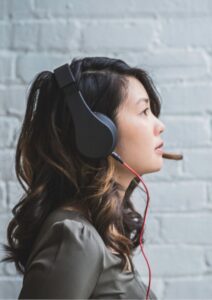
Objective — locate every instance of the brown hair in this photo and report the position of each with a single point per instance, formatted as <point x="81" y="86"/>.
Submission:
<point x="53" y="173"/>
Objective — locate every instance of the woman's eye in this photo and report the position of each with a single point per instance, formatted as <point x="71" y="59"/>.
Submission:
<point x="145" y="111"/>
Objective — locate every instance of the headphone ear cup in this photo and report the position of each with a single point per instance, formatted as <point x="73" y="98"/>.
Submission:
<point x="110" y="124"/>
<point x="95" y="133"/>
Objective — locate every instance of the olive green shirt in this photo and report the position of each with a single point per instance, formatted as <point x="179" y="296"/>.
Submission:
<point x="69" y="260"/>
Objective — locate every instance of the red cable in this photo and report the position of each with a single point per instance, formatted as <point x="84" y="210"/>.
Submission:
<point x="117" y="157"/>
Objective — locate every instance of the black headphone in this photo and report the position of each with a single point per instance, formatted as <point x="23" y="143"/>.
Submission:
<point x="96" y="134"/>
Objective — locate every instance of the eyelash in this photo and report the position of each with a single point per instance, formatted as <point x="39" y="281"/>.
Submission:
<point x="144" y="111"/>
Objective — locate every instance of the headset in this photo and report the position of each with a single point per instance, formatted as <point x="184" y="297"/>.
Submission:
<point x="88" y="124"/>
<point x="96" y="134"/>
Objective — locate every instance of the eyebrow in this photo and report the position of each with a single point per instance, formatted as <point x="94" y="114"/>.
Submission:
<point x="142" y="99"/>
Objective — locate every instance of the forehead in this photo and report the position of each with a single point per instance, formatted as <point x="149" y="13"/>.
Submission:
<point x="135" y="91"/>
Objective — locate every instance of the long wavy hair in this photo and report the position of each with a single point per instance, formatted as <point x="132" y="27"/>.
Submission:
<point x="53" y="173"/>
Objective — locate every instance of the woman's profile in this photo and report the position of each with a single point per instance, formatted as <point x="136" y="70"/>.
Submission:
<point x="75" y="228"/>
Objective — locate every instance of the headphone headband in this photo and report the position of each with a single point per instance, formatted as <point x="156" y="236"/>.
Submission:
<point x="96" y="133"/>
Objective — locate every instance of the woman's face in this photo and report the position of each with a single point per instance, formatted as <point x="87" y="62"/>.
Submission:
<point x="138" y="134"/>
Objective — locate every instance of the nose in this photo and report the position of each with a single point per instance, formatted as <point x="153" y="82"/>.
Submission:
<point x="160" y="127"/>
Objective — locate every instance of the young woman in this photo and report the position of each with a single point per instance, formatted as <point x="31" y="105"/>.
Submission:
<point x="75" y="229"/>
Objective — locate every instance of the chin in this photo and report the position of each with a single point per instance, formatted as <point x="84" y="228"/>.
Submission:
<point x="160" y="165"/>
<point x="154" y="166"/>
<point x="154" y="169"/>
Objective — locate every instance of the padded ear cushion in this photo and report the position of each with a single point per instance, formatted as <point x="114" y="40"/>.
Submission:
<point x="110" y="124"/>
<point x="95" y="133"/>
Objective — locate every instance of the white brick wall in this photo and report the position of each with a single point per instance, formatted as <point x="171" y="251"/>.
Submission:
<point x="172" y="39"/>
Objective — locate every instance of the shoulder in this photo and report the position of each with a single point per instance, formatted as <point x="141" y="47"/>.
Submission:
<point x="69" y="233"/>
<point x="73" y="223"/>
<point x="80" y="232"/>
<point x="67" y="260"/>
<point x="72" y="226"/>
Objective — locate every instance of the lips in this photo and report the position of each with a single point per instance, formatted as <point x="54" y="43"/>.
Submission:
<point x="159" y="145"/>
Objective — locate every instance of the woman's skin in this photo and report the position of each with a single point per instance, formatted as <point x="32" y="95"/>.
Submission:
<point x="138" y="135"/>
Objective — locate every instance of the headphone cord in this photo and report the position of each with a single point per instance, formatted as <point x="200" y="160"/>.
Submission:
<point x="118" y="158"/>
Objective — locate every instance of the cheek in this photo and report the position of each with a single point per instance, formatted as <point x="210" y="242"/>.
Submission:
<point x="135" y="133"/>
<point x="143" y="143"/>
<point x="125" y="137"/>
<point x="128" y="130"/>
<point x="141" y="132"/>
